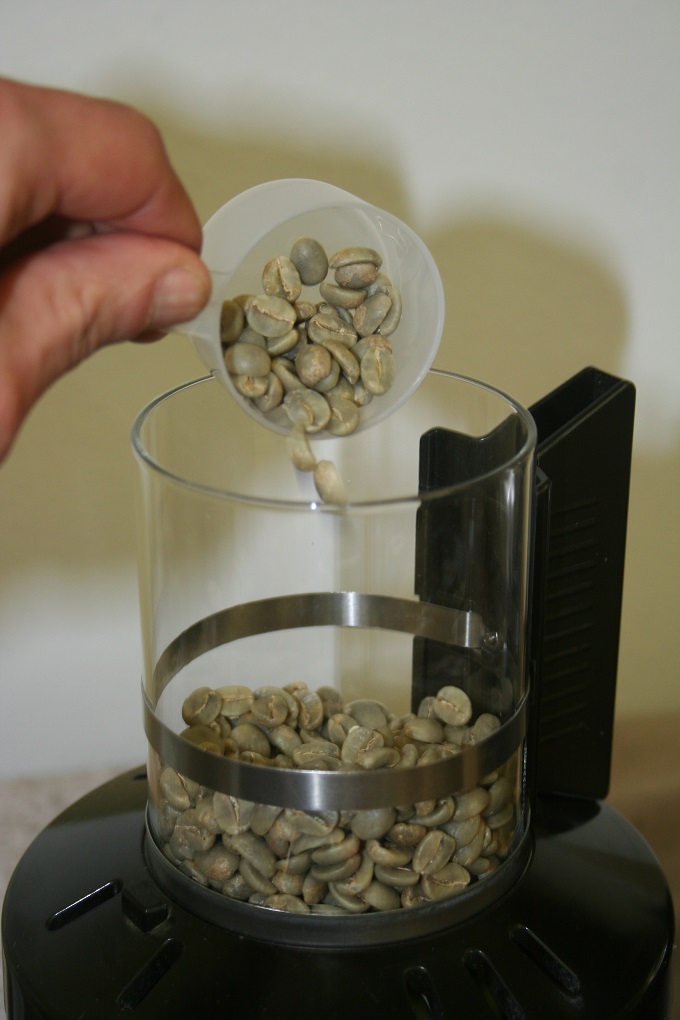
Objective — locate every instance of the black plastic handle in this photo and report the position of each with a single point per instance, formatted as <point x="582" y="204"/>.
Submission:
<point x="585" y="438"/>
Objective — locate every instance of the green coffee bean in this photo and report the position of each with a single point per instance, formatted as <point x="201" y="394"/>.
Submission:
<point x="369" y="316"/>
<point x="250" y="336"/>
<point x="351" y="255"/>
<point x="341" y="297"/>
<point x="378" y="370"/>
<point x="409" y="756"/>
<point x="360" y="738"/>
<point x="200" y="733"/>
<point x="337" y="852"/>
<point x="330" y="326"/>
<point x="248" y="737"/>
<point x="426" y="730"/>
<point x="345" y="415"/>
<point x="433" y="852"/>
<point x="397" y="877"/>
<point x="378" y="758"/>
<point x="469" y="853"/>
<point x="286" y="374"/>
<point x="262" y="817"/>
<point x="304" y="310"/>
<point x="313" y="364"/>
<point x="350" y="904"/>
<point x="501" y="817"/>
<point x="374" y="342"/>
<point x="232" y="321"/>
<point x="250" y="386"/>
<point x="237" y="888"/>
<point x="331" y="700"/>
<point x="247" y="359"/>
<point x="272" y="397"/>
<point x="449" y="881"/>
<point x="329" y="381"/>
<point x="270" y="316"/>
<point x="342" y="313"/>
<point x="310" y="260"/>
<point x="295" y="864"/>
<point x="484" y="726"/>
<point x="372" y="823"/>
<point x="232" y="814"/>
<point x="253" y="849"/>
<point x="359" y="881"/>
<point x="313" y="889"/>
<point x="236" y="700"/>
<point x="245" y="300"/>
<point x="328" y="482"/>
<point x="381" y="897"/>
<point x="190" y="834"/>
<point x="472" y="803"/>
<point x="368" y="713"/>
<point x="205" y="812"/>
<point x="453" y="706"/>
<point x="500" y="794"/>
<point x="299" y="449"/>
<point x="337" y="871"/>
<point x="173" y="786"/>
<point x="310" y="823"/>
<point x="311" y="757"/>
<point x="356" y="275"/>
<point x="388" y="856"/>
<point x="279" y="345"/>
<point x="281" y="279"/>
<point x="310" y="709"/>
<point x="339" y="726"/>
<point x="257" y="881"/>
<point x="393" y="317"/>
<point x="216" y="864"/>
<point x="361" y="395"/>
<point x="342" y="391"/>
<point x="270" y="710"/>
<point x="202" y="706"/>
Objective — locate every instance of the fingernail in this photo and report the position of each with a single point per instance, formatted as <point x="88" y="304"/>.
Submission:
<point x="179" y="295"/>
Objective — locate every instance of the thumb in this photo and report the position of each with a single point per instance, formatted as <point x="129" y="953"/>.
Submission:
<point x="62" y="303"/>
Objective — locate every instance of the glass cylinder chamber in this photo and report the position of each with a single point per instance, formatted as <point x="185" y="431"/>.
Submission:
<point x="335" y="695"/>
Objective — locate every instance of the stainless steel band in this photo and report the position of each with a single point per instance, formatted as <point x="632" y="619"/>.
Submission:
<point x="317" y="609"/>
<point x="314" y="790"/>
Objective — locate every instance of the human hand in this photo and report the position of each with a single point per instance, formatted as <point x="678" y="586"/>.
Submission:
<point x="99" y="241"/>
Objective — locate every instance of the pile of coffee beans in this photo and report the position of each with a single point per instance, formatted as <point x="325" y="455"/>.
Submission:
<point x="333" y="862"/>
<point x="321" y="360"/>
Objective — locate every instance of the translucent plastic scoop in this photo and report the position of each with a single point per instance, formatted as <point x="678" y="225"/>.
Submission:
<point x="264" y="222"/>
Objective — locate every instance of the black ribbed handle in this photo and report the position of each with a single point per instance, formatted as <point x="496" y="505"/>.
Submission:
<point x="585" y="437"/>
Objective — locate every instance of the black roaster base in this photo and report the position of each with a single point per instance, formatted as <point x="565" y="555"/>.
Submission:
<point x="88" y="934"/>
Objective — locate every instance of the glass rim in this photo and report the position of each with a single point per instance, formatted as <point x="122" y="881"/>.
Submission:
<point x="146" y="458"/>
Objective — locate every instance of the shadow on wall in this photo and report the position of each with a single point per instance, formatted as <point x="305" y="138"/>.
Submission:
<point x="525" y="310"/>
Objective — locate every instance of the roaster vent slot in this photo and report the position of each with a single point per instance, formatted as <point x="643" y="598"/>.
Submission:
<point x="150" y="974"/>
<point x="493" y="985"/>
<point x="546" y="959"/>
<point x="422" y="995"/>
<point x="84" y="905"/>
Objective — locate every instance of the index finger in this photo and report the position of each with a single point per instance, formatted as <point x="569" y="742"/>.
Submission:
<point x="87" y="159"/>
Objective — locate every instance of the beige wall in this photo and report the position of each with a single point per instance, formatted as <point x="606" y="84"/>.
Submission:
<point x="536" y="159"/>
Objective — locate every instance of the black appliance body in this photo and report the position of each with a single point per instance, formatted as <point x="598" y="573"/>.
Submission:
<point x="579" y="925"/>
